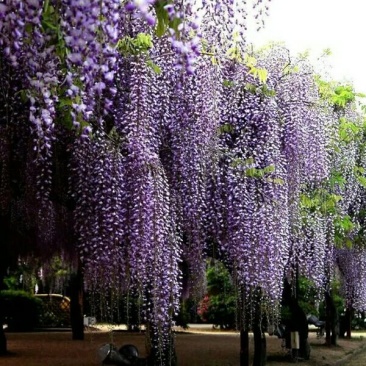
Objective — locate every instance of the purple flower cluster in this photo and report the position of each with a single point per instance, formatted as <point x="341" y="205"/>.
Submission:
<point x="97" y="186"/>
<point x="250" y="197"/>
<point x="352" y="266"/>
<point x="306" y="129"/>
<point x="91" y="32"/>
<point x="153" y="252"/>
<point x="143" y="9"/>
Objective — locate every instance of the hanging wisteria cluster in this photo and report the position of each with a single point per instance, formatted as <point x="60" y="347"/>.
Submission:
<point x="352" y="265"/>
<point x="144" y="139"/>
<point x="305" y="142"/>
<point x="250" y="190"/>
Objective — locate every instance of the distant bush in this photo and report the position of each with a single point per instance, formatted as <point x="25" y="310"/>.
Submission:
<point x="219" y="304"/>
<point x="21" y="309"/>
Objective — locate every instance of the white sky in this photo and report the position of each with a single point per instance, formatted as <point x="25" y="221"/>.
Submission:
<point x="319" y="24"/>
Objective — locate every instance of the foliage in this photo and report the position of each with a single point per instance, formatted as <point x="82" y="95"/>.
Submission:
<point x="51" y="277"/>
<point x="187" y="313"/>
<point x="21" y="309"/>
<point x="307" y="296"/>
<point x="21" y="278"/>
<point x="338" y="299"/>
<point x="219" y="305"/>
<point x="55" y="311"/>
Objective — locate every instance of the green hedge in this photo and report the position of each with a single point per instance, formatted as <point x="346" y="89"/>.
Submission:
<point x="21" y="309"/>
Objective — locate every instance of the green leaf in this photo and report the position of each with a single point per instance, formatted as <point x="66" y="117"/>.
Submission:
<point x="226" y="128"/>
<point x="349" y="243"/>
<point x="327" y="52"/>
<point x="29" y="28"/>
<point x="48" y="25"/>
<point x="234" y="53"/>
<point x="269" y="169"/>
<point x="228" y="83"/>
<point x="128" y="46"/>
<point x="260" y="74"/>
<point x="251" y="88"/>
<point x="162" y="18"/>
<point x="24" y="95"/>
<point x="143" y="41"/>
<point x="174" y="24"/>
<point x="236" y="162"/>
<point x="251" y="172"/>
<point x="250" y="61"/>
<point x="249" y="161"/>
<point x="154" y="67"/>
<point x="362" y="181"/>
<point x="65" y="102"/>
<point x="279" y="181"/>
<point x="267" y="92"/>
<point x="337" y="179"/>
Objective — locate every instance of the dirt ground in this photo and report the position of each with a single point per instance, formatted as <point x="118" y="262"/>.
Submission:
<point x="193" y="349"/>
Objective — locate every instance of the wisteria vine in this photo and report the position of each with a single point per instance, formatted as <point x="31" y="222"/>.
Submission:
<point x="173" y="145"/>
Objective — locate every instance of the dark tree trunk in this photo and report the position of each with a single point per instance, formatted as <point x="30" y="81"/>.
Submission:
<point x="260" y="347"/>
<point x="244" y="348"/>
<point x="348" y="319"/>
<point x="3" y="268"/>
<point x="259" y="337"/>
<point x="76" y="305"/>
<point x="328" y="341"/>
<point x="331" y="321"/>
<point x="3" y="343"/>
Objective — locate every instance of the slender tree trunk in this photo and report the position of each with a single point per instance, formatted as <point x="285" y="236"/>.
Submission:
<point x="244" y="327"/>
<point x="327" y="333"/>
<point x="259" y="337"/>
<point x="331" y="325"/>
<point x="244" y="347"/>
<point x="76" y="305"/>
<point x="335" y="326"/>
<point x="348" y="319"/>
<point x="297" y="281"/>
<point x="327" y="322"/>
<point x="4" y="251"/>
<point x="3" y="343"/>
<point x="260" y="347"/>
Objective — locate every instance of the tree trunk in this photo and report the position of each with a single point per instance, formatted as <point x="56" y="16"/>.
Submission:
<point x="260" y="347"/>
<point x="76" y="305"/>
<point x="244" y="347"/>
<point x="4" y="251"/>
<point x="331" y="321"/>
<point x="3" y="343"/>
<point x="348" y="316"/>
<point x="259" y="337"/>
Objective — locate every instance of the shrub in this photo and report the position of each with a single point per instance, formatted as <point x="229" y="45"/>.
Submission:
<point x="219" y="304"/>
<point x="21" y="309"/>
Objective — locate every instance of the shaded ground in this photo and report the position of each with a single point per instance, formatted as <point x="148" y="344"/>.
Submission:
<point x="193" y="349"/>
<point x="357" y="360"/>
